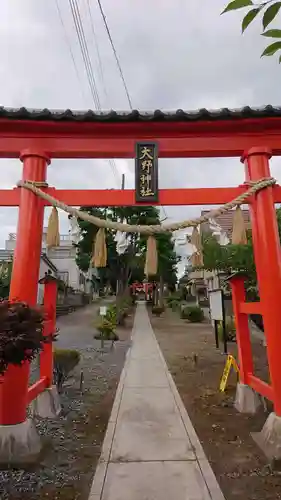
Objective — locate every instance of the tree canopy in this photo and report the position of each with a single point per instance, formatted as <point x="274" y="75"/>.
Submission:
<point x="128" y="267"/>
<point x="267" y="11"/>
<point x="233" y="258"/>
<point x="230" y="258"/>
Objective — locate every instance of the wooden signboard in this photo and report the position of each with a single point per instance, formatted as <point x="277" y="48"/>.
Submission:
<point x="216" y="305"/>
<point x="146" y="172"/>
<point x="217" y="314"/>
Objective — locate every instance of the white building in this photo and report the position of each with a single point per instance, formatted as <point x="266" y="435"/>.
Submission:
<point x="59" y="260"/>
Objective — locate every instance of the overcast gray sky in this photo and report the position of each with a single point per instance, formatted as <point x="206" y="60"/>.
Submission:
<point x="174" y="54"/>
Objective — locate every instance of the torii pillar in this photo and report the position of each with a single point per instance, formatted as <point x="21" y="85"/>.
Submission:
<point x="47" y="403"/>
<point x="19" y="441"/>
<point x="267" y="253"/>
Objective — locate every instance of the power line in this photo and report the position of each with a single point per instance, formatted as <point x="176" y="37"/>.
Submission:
<point x="84" y="50"/>
<point x="69" y="48"/>
<point x="97" y="48"/>
<point x="87" y="60"/>
<point x="89" y="68"/>
<point x="119" y="67"/>
<point x="88" y="65"/>
<point x="115" y="54"/>
<point x="79" y="24"/>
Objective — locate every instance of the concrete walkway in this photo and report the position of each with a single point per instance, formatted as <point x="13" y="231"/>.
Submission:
<point x="151" y="450"/>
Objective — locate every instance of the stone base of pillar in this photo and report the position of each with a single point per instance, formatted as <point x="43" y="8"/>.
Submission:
<point x="269" y="439"/>
<point x="246" y="400"/>
<point x="47" y="404"/>
<point x="19" y="444"/>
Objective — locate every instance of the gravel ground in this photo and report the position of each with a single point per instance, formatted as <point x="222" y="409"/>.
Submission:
<point x="72" y="443"/>
<point x="225" y="434"/>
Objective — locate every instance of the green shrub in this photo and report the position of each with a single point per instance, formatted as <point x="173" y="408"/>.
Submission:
<point x="158" y="310"/>
<point x="115" y="315"/>
<point x="111" y="315"/>
<point x="21" y="333"/>
<point x="174" y="305"/>
<point x="113" y="337"/>
<point x="169" y="301"/>
<point x="65" y="360"/>
<point x="229" y="329"/>
<point x="121" y="315"/>
<point x="125" y="311"/>
<point x="123" y="308"/>
<point x="106" y="328"/>
<point x="126" y="303"/>
<point x="175" y="297"/>
<point x="194" y="314"/>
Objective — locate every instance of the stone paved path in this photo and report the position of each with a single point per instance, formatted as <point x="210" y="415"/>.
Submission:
<point x="76" y="329"/>
<point x="151" y="450"/>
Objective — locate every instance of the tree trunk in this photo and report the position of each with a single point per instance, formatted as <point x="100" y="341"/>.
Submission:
<point x="161" y="291"/>
<point x="155" y="296"/>
<point x="122" y="291"/>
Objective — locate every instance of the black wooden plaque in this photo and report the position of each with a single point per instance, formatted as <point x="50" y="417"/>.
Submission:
<point x="146" y="172"/>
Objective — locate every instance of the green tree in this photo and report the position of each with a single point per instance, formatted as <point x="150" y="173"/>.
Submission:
<point x="128" y="267"/>
<point x="234" y="258"/>
<point x="267" y="11"/>
<point x="167" y="263"/>
<point x="231" y="258"/>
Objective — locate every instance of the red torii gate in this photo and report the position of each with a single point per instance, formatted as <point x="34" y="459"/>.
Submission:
<point x="144" y="287"/>
<point x="36" y="137"/>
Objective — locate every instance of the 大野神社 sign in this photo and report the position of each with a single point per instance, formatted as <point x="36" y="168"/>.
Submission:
<point x="146" y="172"/>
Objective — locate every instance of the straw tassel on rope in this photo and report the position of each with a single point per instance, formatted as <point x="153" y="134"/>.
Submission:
<point x="53" y="234"/>
<point x="197" y="257"/>
<point x="151" y="261"/>
<point x="99" y="258"/>
<point x="239" y="235"/>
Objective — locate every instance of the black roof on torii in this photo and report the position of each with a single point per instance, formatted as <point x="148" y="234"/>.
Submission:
<point x="179" y="115"/>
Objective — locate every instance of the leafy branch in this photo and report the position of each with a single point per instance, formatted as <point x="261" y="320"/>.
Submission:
<point x="268" y="10"/>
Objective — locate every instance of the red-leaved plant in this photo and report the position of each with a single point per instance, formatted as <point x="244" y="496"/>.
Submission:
<point x="21" y="333"/>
